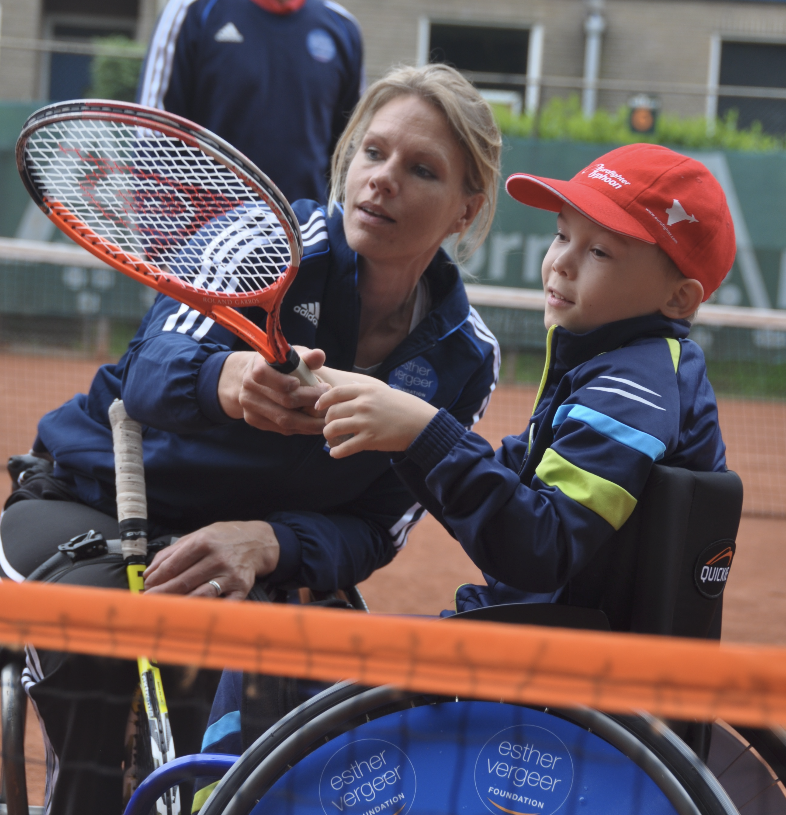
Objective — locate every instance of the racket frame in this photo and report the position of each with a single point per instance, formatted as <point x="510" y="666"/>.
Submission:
<point x="218" y="306"/>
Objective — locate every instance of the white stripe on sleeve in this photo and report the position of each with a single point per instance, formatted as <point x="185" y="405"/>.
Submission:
<point x="401" y="529"/>
<point x="171" y="320"/>
<point x="483" y="333"/>
<point x="161" y="54"/>
<point x="207" y="324"/>
<point x="627" y="395"/>
<point x="191" y="318"/>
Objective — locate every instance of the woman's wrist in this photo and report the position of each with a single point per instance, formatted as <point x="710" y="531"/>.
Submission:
<point x="267" y="551"/>
<point x="230" y="383"/>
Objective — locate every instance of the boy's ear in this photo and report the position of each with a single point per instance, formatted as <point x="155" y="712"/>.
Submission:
<point x="685" y="298"/>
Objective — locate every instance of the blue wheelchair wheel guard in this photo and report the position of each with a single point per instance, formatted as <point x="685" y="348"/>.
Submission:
<point x="465" y="757"/>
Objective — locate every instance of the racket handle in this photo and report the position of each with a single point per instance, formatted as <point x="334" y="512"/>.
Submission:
<point x="130" y="481"/>
<point x="295" y="365"/>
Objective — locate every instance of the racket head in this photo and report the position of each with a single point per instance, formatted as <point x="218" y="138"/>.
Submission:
<point x="162" y="200"/>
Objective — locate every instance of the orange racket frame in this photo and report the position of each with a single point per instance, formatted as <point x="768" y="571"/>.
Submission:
<point x="218" y="306"/>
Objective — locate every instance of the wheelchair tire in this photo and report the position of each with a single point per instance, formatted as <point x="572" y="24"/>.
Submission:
<point x="290" y="725"/>
<point x="675" y="769"/>
<point x="750" y="763"/>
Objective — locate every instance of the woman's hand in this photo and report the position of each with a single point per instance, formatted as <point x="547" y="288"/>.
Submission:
<point x="250" y="389"/>
<point x="234" y="554"/>
<point x="377" y="417"/>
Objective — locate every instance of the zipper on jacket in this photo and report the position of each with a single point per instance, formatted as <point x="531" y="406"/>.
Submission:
<point x="545" y="376"/>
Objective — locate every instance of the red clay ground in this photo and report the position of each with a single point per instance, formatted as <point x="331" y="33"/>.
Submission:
<point x="424" y="576"/>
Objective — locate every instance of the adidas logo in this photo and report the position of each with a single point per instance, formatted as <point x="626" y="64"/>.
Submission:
<point x="310" y="311"/>
<point x="228" y="33"/>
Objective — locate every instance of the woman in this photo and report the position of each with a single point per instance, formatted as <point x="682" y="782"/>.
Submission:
<point x="417" y="163"/>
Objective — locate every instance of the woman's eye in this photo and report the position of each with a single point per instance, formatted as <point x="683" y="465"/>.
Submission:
<point x="372" y="153"/>
<point x="423" y="172"/>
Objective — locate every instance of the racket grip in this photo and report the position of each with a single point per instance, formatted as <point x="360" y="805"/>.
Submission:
<point x="295" y="365"/>
<point x="130" y="481"/>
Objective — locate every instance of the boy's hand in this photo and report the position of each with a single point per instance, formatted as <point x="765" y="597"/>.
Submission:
<point x="377" y="416"/>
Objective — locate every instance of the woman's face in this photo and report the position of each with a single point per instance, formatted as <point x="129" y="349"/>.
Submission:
<point x="405" y="185"/>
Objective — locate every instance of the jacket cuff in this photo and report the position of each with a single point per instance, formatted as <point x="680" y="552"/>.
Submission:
<point x="207" y="388"/>
<point x="436" y="440"/>
<point x="289" y="554"/>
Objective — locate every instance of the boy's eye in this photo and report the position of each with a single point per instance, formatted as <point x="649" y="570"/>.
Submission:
<point x="599" y="253"/>
<point x="560" y="236"/>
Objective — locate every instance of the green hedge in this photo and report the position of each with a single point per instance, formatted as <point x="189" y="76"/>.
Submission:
<point x="562" y="119"/>
<point x="115" y="77"/>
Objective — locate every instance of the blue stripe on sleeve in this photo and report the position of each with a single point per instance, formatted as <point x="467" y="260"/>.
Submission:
<point x="225" y="726"/>
<point x="612" y="429"/>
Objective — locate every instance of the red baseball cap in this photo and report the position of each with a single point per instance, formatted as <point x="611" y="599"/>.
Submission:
<point x="653" y="194"/>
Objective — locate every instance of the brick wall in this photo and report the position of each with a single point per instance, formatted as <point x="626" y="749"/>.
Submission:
<point x="664" y="40"/>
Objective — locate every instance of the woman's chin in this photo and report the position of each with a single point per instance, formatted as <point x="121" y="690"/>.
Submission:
<point x="370" y="241"/>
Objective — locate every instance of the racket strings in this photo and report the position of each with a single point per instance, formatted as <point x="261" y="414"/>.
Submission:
<point x="161" y="201"/>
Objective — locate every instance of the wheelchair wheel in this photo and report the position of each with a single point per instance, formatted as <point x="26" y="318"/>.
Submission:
<point x="750" y="763"/>
<point x="470" y="757"/>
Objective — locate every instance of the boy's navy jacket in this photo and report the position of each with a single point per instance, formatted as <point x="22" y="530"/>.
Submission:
<point x="278" y="87"/>
<point x="336" y="520"/>
<point x="611" y="403"/>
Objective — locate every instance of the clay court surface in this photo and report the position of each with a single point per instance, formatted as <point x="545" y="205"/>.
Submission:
<point x="425" y="574"/>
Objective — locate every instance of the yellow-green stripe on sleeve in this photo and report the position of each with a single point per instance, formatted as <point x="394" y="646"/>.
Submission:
<point x="202" y="796"/>
<point x="613" y="503"/>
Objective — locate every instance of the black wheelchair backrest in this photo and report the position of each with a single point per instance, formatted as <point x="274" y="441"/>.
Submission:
<point x="665" y="570"/>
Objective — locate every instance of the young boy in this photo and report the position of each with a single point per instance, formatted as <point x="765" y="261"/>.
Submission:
<point x="644" y="236"/>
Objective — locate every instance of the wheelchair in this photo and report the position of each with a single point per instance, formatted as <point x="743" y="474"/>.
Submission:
<point x="366" y="751"/>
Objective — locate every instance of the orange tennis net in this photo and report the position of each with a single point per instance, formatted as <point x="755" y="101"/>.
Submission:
<point x="556" y="667"/>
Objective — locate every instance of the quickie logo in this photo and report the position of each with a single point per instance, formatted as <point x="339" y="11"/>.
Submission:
<point x="368" y="777"/>
<point x="524" y="770"/>
<point x="712" y="568"/>
<point x="416" y="377"/>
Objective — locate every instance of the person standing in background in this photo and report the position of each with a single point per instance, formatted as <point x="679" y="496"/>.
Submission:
<point x="277" y="79"/>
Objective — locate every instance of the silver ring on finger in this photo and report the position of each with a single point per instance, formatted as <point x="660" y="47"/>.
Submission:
<point x="216" y="586"/>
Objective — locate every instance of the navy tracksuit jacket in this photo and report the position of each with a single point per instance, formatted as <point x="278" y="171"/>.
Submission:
<point x="533" y="514"/>
<point x="278" y="87"/>
<point x="336" y="520"/>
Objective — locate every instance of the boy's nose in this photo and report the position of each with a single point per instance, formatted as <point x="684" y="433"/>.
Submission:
<point x="565" y="263"/>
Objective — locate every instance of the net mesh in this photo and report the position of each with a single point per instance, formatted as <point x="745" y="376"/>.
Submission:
<point x="161" y="201"/>
<point x="59" y="321"/>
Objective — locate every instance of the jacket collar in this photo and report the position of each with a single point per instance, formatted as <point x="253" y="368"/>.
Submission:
<point x="569" y="350"/>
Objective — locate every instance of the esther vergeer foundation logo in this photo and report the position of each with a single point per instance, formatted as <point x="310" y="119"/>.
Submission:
<point x="712" y="568"/>
<point x="368" y="777"/>
<point x="524" y="770"/>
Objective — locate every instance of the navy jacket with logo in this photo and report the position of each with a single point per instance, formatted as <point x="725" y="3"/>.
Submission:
<point x="336" y="521"/>
<point x="611" y="403"/>
<point x="278" y="87"/>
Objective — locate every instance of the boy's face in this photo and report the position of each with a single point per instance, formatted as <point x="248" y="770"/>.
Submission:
<point x="592" y="276"/>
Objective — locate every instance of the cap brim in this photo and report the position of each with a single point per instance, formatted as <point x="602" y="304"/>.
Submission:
<point x="552" y="194"/>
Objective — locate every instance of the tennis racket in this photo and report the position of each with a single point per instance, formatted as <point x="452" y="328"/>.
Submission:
<point x="172" y="206"/>
<point x="132" y="519"/>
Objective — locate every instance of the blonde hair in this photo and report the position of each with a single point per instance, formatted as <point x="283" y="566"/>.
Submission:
<point x="469" y="117"/>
